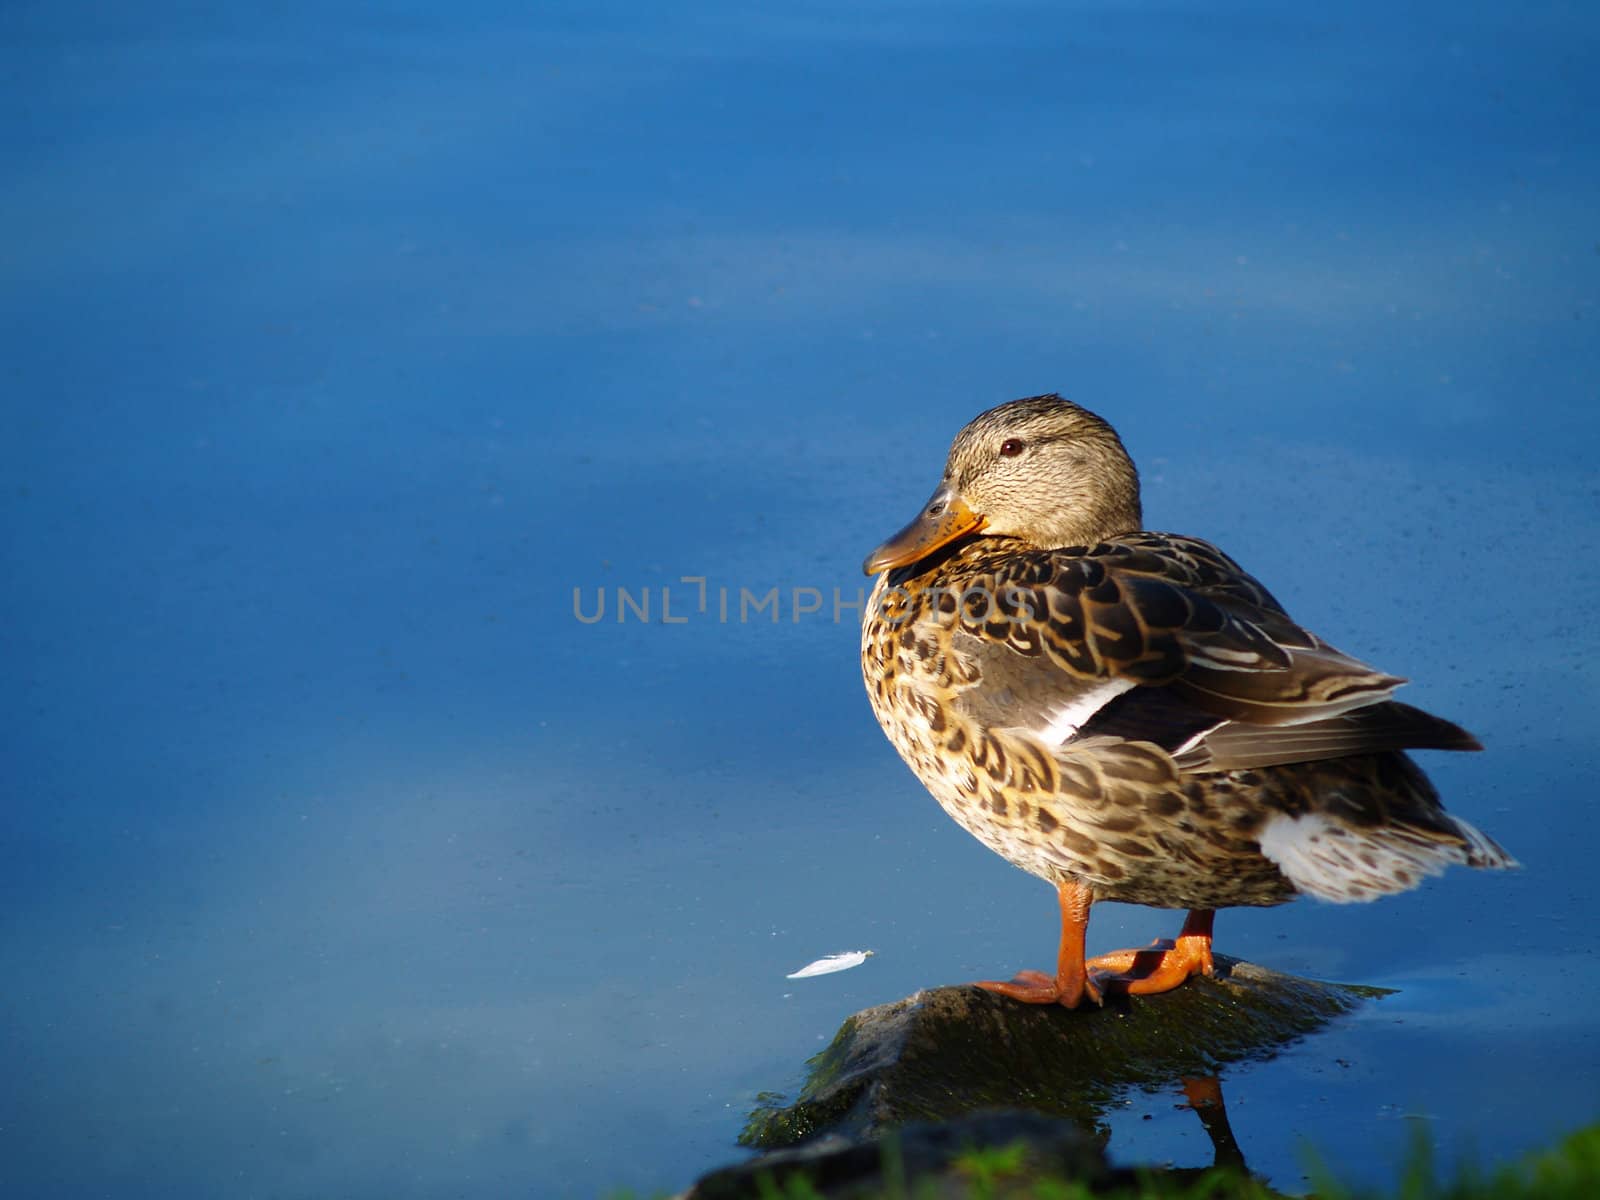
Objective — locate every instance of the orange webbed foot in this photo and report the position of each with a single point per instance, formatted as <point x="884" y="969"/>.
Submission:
<point x="1035" y="987"/>
<point x="1162" y="966"/>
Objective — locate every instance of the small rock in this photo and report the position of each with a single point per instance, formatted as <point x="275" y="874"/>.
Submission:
<point x="919" y="1083"/>
<point x="949" y="1051"/>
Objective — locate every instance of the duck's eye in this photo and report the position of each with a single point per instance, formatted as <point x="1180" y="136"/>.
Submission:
<point x="1011" y="447"/>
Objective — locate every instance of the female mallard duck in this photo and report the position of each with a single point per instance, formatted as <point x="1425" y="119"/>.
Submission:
<point x="1129" y="715"/>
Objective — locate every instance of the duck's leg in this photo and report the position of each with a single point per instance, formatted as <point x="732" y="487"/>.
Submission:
<point x="1161" y="966"/>
<point x="1071" y="982"/>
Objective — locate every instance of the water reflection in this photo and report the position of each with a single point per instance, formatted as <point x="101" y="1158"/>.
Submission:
<point x="1204" y="1095"/>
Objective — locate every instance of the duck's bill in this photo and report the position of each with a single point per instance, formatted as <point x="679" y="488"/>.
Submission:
<point x="944" y="518"/>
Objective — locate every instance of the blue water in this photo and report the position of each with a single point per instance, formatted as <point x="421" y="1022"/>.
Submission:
<point x="343" y="342"/>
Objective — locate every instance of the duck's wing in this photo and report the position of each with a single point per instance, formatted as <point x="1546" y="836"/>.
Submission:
<point x="1164" y="639"/>
<point x="1200" y="741"/>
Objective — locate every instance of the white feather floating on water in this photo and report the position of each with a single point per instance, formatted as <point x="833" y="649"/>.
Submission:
<point x="832" y="963"/>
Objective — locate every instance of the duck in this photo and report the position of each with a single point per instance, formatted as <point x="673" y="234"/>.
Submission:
<point x="1129" y="715"/>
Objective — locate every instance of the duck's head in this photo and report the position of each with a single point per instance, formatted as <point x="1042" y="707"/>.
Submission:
<point x="1040" y="469"/>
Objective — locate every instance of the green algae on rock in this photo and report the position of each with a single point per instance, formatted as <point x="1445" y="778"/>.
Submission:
<point x="947" y="1051"/>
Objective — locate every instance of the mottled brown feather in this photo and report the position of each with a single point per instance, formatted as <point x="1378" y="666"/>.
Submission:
<point x="1132" y="711"/>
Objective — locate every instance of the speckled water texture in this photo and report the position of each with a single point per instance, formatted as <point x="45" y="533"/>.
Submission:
<point x="353" y="354"/>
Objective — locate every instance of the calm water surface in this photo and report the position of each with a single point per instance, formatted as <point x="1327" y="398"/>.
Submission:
<point x="342" y="342"/>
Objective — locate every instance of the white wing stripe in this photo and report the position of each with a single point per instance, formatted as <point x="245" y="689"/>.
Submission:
<point x="1063" y="723"/>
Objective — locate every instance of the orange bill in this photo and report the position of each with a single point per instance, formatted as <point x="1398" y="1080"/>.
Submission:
<point x="943" y="518"/>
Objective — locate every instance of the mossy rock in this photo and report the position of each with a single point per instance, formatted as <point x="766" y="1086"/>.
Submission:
<point x="948" y="1051"/>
